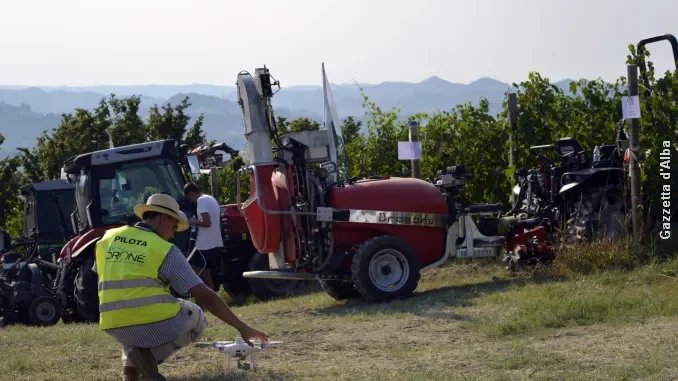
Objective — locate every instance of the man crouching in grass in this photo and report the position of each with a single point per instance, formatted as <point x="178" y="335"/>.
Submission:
<point x="136" y="267"/>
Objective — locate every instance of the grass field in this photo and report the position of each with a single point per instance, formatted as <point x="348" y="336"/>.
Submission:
<point x="465" y="322"/>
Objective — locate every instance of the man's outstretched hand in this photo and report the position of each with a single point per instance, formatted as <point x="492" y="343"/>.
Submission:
<point x="248" y="332"/>
<point x="214" y="304"/>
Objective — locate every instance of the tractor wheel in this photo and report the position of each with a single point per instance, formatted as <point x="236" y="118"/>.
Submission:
<point x="385" y="268"/>
<point x="599" y="214"/>
<point x="268" y="289"/>
<point x="86" y="291"/>
<point x="612" y="217"/>
<point x="43" y="311"/>
<point x="339" y="290"/>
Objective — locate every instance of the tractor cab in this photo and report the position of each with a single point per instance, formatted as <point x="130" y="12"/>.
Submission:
<point x="47" y="206"/>
<point x="574" y="156"/>
<point x="569" y="146"/>
<point x="109" y="183"/>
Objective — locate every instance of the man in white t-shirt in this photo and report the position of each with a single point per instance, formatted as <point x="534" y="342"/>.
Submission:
<point x="209" y="243"/>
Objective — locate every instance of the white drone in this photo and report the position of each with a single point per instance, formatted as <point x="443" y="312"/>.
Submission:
<point x="238" y="349"/>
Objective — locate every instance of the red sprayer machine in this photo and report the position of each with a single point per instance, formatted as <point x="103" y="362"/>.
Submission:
<point x="369" y="237"/>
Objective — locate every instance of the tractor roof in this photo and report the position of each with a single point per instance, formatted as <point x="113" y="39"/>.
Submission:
<point x="159" y="148"/>
<point x="47" y="186"/>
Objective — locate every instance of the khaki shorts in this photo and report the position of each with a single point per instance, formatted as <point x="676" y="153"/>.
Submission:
<point x="193" y="329"/>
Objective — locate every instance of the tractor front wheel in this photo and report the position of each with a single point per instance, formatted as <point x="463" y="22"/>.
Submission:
<point x="385" y="268"/>
<point x="43" y="311"/>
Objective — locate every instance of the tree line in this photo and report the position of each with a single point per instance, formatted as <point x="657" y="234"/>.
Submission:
<point x="467" y="134"/>
<point x="114" y="120"/>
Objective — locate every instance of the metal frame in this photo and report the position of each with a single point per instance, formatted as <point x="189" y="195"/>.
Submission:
<point x="641" y="62"/>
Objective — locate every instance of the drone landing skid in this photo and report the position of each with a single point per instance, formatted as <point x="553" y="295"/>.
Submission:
<point x="241" y="364"/>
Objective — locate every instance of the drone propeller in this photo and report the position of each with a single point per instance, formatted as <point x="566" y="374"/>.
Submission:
<point x="212" y="344"/>
<point x="216" y="344"/>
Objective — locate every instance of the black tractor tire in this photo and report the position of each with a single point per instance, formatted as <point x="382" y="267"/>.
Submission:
<point x="43" y="311"/>
<point x="600" y="213"/>
<point x="86" y="292"/>
<point x="380" y="257"/>
<point x="233" y="282"/>
<point x="340" y="290"/>
<point x="269" y="289"/>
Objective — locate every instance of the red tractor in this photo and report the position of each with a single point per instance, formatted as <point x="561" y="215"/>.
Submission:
<point x="368" y="238"/>
<point x="108" y="184"/>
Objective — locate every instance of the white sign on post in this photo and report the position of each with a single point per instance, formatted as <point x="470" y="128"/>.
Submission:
<point x="631" y="107"/>
<point x="409" y="150"/>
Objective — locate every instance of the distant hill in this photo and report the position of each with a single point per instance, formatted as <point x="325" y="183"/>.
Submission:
<point x="25" y="112"/>
<point x="21" y="126"/>
<point x="59" y="101"/>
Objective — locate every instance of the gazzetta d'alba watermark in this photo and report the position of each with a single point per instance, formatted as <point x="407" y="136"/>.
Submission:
<point x="665" y="172"/>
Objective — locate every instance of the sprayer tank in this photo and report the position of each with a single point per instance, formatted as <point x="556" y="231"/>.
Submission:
<point x="411" y="196"/>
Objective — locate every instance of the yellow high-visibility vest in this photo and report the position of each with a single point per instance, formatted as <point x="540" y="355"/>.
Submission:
<point x="128" y="260"/>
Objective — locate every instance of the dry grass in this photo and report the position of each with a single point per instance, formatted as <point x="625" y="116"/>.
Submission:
<point x="465" y="322"/>
<point x="601" y="255"/>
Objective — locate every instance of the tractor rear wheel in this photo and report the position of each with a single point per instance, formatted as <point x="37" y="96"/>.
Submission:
<point x="86" y="291"/>
<point x="385" y="268"/>
<point x="599" y="214"/>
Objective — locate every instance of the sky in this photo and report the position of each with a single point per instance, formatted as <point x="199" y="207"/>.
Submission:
<point x="136" y="42"/>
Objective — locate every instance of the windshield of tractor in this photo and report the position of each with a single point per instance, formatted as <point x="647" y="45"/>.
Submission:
<point x="132" y="184"/>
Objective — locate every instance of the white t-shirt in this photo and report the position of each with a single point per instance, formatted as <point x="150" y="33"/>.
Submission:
<point x="209" y="238"/>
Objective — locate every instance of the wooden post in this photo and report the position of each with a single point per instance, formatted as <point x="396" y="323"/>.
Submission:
<point x="634" y="145"/>
<point x="414" y="137"/>
<point x="513" y="126"/>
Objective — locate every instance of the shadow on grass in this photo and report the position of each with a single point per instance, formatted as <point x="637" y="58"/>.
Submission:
<point x="434" y="303"/>
<point x="240" y="376"/>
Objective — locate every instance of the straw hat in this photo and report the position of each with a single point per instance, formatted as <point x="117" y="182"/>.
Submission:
<point x="165" y="204"/>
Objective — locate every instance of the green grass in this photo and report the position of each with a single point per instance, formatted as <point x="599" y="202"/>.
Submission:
<point x="465" y="322"/>
<point x="611" y="297"/>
